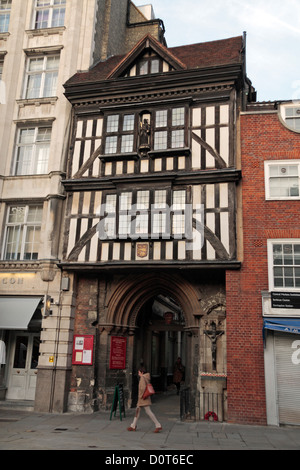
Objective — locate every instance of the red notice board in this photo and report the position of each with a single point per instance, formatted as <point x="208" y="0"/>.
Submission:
<point x="83" y="347"/>
<point x="117" y="358"/>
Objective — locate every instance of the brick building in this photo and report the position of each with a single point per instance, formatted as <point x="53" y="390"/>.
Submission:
<point x="263" y="369"/>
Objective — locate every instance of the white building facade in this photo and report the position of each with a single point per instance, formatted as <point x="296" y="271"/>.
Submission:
<point x="42" y="44"/>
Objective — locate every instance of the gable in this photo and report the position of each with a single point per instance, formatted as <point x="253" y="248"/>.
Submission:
<point x="148" y="56"/>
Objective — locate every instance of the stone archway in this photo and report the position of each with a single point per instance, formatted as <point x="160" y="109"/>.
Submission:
<point x="128" y="299"/>
<point x="130" y="295"/>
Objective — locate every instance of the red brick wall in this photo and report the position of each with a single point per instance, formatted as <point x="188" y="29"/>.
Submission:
<point x="263" y="137"/>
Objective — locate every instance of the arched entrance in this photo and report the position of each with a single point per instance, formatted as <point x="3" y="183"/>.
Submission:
<point x="159" y="312"/>
<point x="159" y="340"/>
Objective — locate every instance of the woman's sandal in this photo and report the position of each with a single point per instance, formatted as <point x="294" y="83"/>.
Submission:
<point x="131" y="429"/>
<point x="158" y="429"/>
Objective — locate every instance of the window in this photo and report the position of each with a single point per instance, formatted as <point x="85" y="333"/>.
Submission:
<point x="119" y="134"/>
<point x="142" y="215"/>
<point x="5" y="7"/>
<point x="179" y="205"/>
<point x="22" y="232"/>
<point x="110" y="219"/>
<point x="145" y="214"/>
<point x="166" y="129"/>
<point x="32" y="151"/>
<point x="169" y="129"/>
<point x="284" y="264"/>
<point x="125" y="206"/>
<point x="148" y="64"/>
<point x="49" y="13"/>
<point x="291" y="116"/>
<point x="41" y="76"/>
<point x="282" y="179"/>
<point x="159" y="212"/>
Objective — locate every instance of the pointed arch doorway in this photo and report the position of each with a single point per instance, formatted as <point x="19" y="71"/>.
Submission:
<point x="160" y="312"/>
<point x="160" y="339"/>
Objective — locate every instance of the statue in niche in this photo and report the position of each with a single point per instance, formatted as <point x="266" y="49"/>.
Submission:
<point x="145" y="130"/>
<point x="213" y="335"/>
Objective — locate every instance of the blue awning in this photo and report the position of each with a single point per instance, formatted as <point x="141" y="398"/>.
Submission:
<point x="291" y="325"/>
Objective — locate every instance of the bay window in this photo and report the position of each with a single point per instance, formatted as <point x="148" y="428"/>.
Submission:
<point x="145" y="214"/>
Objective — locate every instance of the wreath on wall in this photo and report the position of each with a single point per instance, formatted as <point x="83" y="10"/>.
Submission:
<point x="211" y="414"/>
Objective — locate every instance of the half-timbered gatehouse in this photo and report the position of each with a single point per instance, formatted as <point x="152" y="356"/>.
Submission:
<point x="152" y="217"/>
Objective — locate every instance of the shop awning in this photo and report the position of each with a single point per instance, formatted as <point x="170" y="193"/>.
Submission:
<point x="16" y="312"/>
<point x="291" y="325"/>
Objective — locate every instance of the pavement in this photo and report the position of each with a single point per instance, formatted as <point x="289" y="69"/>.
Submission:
<point x="29" y="430"/>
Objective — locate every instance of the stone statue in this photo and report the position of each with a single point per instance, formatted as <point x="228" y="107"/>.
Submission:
<point x="213" y="335"/>
<point x="144" y="137"/>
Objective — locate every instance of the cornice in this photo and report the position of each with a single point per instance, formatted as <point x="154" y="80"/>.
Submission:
<point x="171" y="265"/>
<point x="107" y="183"/>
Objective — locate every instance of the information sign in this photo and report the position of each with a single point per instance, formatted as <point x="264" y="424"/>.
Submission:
<point x="83" y="346"/>
<point x="117" y="358"/>
<point x="290" y="300"/>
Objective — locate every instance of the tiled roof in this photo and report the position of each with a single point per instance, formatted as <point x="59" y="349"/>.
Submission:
<point x="210" y="54"/>
<point x="194" y="56"/>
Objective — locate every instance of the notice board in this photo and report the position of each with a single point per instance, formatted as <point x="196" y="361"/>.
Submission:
<point x="83" y="347"/>
<point x="117" y="358"/>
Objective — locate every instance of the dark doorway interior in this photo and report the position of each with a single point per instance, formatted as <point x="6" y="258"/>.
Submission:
<point x="159" y="341"/>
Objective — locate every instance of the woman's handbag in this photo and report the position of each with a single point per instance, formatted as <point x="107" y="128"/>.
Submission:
<point x="149" y="390"/>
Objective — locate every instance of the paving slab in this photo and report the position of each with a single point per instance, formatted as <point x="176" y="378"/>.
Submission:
<point x="28" y="430"/>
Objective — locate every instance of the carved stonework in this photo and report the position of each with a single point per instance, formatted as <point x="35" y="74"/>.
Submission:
<point x="48" y="271"/>
<point x="213" y="334"/>
<point x="215" y="302"/>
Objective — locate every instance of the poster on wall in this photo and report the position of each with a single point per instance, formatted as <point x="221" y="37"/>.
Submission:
<point x="83" y="346"/>
<point x="117" y="358"/>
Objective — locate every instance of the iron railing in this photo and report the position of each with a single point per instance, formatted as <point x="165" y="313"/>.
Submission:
<point x="202" y="405"/>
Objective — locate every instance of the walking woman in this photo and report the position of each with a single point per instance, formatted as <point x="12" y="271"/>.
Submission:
<point x="144" y="380"/>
